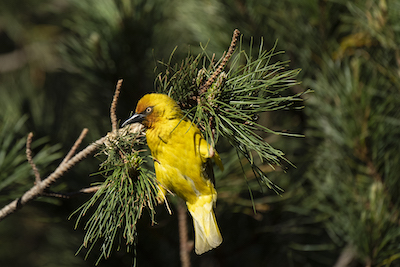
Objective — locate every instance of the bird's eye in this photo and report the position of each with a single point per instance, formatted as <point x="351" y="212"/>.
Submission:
<point x="149" y="110"/>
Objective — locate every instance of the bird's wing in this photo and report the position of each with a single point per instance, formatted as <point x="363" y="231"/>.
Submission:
<point x="207" y="151"/>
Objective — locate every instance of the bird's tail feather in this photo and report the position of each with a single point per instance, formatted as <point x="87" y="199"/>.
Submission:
<point x="207" y="234"/>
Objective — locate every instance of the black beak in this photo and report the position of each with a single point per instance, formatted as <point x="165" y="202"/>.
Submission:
<point x="133" y="119"/>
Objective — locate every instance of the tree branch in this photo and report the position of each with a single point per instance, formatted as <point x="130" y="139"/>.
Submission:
<point x="113" y="114"/>
<point x="68" y="162"/>
<point x="87" y="190"/>
<point x="30" y="159"/>
<point x="39" y="188"/>
<point x="347" y="258"/>
<point x="203" y="88"/>
<point x="76" y="145"/>
<point x="185" y="245"/>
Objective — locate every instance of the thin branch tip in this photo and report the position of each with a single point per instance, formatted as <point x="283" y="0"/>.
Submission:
<point x="75" y="146"/>
<point x="70" y="160"/>
<point x="39" y="188"/>
<point x="30" y="158"/>
<point x="88" y="190"/>
<point x="184" y="242"/>
<point x="226" y="56"/>
<point x="113" y="109"/>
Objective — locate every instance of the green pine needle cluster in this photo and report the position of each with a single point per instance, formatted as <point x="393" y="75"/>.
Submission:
<point x="228" y="107"/>
<point x="15" y="172"/>
<point x="122" y="197"/>
<point x="231" y="105"/>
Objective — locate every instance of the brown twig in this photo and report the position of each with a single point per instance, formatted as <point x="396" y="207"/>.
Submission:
<point x="75" y="146"/>
<point x="113" y="114"/>
<point x="348" y="257"/>
<point x="185" y="244"/>
<point x="39" y="188"/>
<point x="30" y="159"/>
<point x="87" y="190"/>
<point x="203" y="88"/>
<point x="68" y="162"/>
<point x="213" y="58"/>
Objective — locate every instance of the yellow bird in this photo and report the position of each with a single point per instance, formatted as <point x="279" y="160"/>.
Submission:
<point x="182" y="161"/>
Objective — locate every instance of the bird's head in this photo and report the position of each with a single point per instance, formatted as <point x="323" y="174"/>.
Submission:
<point x="153" y="108"/>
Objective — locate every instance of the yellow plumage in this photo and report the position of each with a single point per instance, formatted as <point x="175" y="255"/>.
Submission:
<point x="182" y="161"/>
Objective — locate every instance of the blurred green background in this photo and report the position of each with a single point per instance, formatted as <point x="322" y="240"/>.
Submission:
<point x="60" y="61"/>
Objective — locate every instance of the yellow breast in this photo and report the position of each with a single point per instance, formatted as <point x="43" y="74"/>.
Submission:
<point x="176" y="146"/>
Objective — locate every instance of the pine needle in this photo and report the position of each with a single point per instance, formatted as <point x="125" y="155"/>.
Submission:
<point x="230" y="107"/>
<point x="224" y="99"/>
<point x="118" y="204"/>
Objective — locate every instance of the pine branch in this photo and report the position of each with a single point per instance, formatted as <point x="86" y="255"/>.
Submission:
<point x="39" y="188"/>
<point x="119" y="201"/>
<point x="347" y="257"/>
<point x="221" y="66"/>
<point x="114" y="121"/>
<point x="222" y="101"/>
<point x="227" y="103"/>
<point x="88" y="190"/>
<point x="185" y="245"/>
<point x="75" y="146"/>
<point x="30" y="160"/>
<point x="128" y="189"/>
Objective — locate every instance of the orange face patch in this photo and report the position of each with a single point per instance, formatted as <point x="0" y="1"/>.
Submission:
<point x="145" y="107"/>
<point x="141" y="106"/>
<point x="156" y="107"/>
